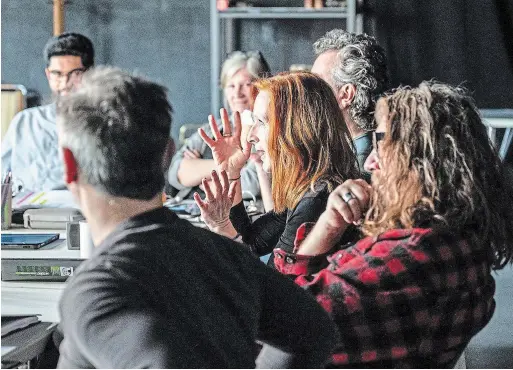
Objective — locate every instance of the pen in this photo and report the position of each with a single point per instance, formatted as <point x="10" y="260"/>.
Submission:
<point x="8" y="177"/>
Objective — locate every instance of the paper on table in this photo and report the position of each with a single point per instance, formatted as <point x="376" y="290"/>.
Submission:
<point x="52" y="198"/>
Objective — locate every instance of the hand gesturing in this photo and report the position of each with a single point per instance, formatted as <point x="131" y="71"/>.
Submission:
<point x="215" y="209"/>
<point x="226" y="148"/>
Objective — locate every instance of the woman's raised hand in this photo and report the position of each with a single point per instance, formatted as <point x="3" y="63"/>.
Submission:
<point x="227" y="151"/>
<point x="219" y="194"/>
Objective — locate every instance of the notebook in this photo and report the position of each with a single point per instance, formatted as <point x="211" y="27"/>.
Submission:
<point x="27" y="241"/>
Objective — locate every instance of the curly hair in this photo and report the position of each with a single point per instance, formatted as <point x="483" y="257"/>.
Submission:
<point x="440" y="169"/>
<point x="361" y="62"/>
<point x="308" y="140"/>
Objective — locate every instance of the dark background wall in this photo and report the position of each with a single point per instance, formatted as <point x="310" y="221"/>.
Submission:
<point x="455" y="41"/>
<point x="168" y="40"/>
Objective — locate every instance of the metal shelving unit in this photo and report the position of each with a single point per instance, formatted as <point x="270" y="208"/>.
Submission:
<point x="226" y="37"/>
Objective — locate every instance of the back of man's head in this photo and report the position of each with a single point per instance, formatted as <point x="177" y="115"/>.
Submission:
<point x="360" y="61"/>
<point x="70" y="43"/>
<point x="117" y="126"/>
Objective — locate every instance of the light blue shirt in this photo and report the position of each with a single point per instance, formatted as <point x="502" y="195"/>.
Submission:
<point x="30" y="149"/>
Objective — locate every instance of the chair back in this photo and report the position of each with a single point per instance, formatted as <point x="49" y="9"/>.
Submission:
<point x="186" y="130"/>
<point x="14" y="99"/>
<point x="499" y="119"/>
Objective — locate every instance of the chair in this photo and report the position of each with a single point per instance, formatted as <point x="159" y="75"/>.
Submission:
<point x="499" y="119"/>
<point x="186" y="130"/>
<point x="492" y="347"/>
<point x="14" y="99"/>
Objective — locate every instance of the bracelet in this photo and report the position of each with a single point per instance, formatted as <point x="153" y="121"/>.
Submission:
<point x="231" y="180"/>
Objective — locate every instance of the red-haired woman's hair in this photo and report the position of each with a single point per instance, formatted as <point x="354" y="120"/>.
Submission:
<point x="309" y="142"/>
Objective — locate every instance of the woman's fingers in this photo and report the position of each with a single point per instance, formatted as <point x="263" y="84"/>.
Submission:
<point x="207" y="139"/>
<point x="199" y="202"/>
<point x="356" y="212"/>
<point x="237" y="125"/>
<point x="218" y="189"/>
<point x="360" y="190"/>
<point x="225" y="183"/>
<point x="360" y="197"/>
<point x="227" y="127"/>
<point x="191" y="154"/>
<point x="208" y="192"/>
<point x="213" y="126"/>
<point x="231" y="192"/>
<point x="337" y="204"/>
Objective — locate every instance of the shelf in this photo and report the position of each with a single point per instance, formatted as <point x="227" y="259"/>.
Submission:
<point x="223" y="30"/>
<point x="282" y="13"/>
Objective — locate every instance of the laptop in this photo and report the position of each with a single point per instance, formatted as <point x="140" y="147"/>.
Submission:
<point x="27" y="241"/>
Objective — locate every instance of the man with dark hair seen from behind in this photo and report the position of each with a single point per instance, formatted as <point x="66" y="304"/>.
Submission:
<point x="158" y="292"/>
<point x="354" y="65"/>
<point x="30" y="148"/>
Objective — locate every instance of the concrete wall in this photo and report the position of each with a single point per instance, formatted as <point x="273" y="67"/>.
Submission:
<point x="168" y="40"/>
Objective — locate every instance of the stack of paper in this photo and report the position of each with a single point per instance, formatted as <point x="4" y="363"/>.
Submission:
<point x="52" y="198"/>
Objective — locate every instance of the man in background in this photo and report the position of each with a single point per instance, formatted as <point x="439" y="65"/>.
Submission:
<point x="29" y="148"/>
<point x="158" y="292"/>
<point x="354" y="65"/>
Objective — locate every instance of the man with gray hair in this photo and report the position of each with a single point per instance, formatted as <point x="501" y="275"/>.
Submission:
<point x="158" y="292"/>
<point x="354" y="65"/>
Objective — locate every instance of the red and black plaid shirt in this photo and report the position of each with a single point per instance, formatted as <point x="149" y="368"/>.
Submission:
<point x="407" y="298"/>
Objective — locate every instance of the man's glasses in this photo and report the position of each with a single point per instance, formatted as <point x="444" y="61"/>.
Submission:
<point x="376" y="138"/>
<point x="71" y="75"/>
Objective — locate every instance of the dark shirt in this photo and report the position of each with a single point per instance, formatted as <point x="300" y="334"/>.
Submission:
<point x="278" y="230"/>
<point x="161" y="293"/>
<point x="407" y="298"/>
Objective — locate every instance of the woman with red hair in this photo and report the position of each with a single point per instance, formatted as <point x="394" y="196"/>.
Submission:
<point x="303" y="141"/>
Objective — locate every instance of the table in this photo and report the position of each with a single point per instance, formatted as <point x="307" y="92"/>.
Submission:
<point x="27" y="343"/>
<point x="36" y="297"/>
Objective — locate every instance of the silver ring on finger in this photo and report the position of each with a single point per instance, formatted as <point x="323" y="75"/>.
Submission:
<point x="227" y="135"/>
<point x="348" y="196"/>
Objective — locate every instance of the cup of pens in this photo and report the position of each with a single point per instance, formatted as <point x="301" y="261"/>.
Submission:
<point x="6" y="205"/>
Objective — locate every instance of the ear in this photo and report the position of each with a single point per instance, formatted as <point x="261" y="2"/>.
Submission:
<point x="70" y="166"/>
<point x="345" y="95"/>
<point x="168" y="153"/>
<point x="47" y="73"/>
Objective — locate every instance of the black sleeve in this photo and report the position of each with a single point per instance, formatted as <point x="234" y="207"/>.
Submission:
<point x="263" y="234"/>
<point x="110" y="322"/>
<point x="300" y="332"/>
<point x="274" y="230"/>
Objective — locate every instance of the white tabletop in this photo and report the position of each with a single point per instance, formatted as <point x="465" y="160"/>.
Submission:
<point x="36" y="297"/>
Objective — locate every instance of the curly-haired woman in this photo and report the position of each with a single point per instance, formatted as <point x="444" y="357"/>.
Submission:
<point x="438" y="220"/>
